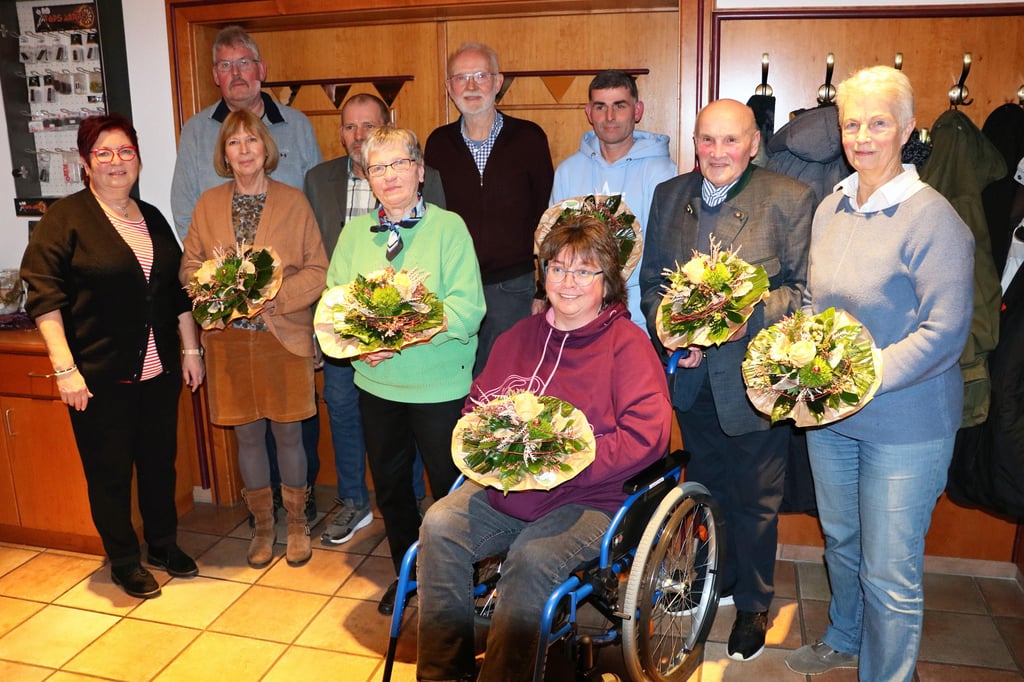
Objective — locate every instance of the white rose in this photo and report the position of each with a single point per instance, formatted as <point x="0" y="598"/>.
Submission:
<point x="206" y="272"/>
<point x="801" y="353"/>
<point x="404" y="285"/>
<point x="694" y="270"/>
<point x="527" y="406"/>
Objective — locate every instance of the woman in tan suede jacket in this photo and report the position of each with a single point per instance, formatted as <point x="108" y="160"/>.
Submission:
<point x="261" y="368"/>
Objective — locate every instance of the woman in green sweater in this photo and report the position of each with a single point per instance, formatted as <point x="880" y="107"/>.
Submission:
<point x="412" y="398"/>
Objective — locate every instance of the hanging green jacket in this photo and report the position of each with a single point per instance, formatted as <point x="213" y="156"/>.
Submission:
<point x="962" y="163"/>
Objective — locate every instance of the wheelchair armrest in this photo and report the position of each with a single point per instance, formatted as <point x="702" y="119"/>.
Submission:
<point x="677" y="458"/>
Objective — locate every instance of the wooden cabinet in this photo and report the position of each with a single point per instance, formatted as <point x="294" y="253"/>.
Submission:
<point x="43" y="495"/>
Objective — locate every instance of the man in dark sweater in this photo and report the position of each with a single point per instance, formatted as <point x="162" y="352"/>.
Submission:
<point x="497" y="175"/>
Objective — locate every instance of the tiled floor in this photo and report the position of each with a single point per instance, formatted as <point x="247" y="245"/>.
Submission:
<point x="62" y="619"/>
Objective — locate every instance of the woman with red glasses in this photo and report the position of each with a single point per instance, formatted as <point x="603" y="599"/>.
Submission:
<point x="102" y="274"/>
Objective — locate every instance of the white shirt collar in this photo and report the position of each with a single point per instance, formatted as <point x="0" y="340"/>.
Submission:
<point x="896" y="191"/>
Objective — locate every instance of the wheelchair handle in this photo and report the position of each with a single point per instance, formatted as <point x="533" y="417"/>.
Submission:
<point x="673" y="360"/>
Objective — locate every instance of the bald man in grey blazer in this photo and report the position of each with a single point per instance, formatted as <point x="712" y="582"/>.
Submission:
<point x="734" y="449"/>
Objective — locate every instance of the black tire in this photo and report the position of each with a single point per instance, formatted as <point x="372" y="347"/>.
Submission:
<point x="672" y="591"/>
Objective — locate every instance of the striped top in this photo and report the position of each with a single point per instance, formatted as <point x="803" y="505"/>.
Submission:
<point x="136" y="235"/>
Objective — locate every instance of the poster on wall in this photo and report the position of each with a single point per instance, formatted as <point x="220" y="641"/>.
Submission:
<point x="58" y="77"/>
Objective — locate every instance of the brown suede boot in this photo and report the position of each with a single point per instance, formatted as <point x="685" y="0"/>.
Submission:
<point x="261" y="504"/>
<point x="299" y="550"/>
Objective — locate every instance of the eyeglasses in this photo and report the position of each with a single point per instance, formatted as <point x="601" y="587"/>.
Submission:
<point x="106" y="155"/>
<point x="379" y="169"/>
<point x="584" y="278"/>
<point x="244" y="64"/>
<point x="480" y="77"/>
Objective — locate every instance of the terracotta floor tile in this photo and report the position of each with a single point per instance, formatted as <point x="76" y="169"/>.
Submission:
<point x="64" y="676"/>
<point x="952" y="593"/>
<point x="99" y="593"/>
<point x="717" y="666"/>
<point x="214" y="656"/>
<point x="47" y="576"/>
<point x="812" y="579"/>
<point x="19" y="672"/>
<point x="370" y="579"/>
<point x="785" y="580"/>
<point x="53" y="635"/>
<point x="963" y="639"/>
<point x="937" y="672"/>
<point x="269" y="613"/>
<point x="132" y="650"/>
<point x="213" y="519"/>
<point x="783" y="624"/>
<point x="194" y="543"/>
<point x="226" y="560"/>
<point x="1004" y="597"/>
<point x="299" y="663"/>
<point x="1012" y="631"/>
<point x="324" y="573"/>
<point x="12" y="557"/>
<point x="349" y="626"/>
<point x="192" y="602"/>
<point x="14" y="612"/>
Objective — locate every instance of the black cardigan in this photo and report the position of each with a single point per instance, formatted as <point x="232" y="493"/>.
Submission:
<point x="77" y="263"/>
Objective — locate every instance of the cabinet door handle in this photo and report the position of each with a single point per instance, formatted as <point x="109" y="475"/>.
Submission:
<point x="7" y="420"/>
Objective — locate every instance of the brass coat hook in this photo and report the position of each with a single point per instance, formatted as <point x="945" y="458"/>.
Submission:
<point x="764" y="88"/>
<point x="959" y="93"/>
<point x="827" y="92"/>
<point x="898" y="62"/>
<point x="1020" y="95"/>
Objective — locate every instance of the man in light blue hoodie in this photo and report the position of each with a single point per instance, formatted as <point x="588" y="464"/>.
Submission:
<point x="615" y="158"/>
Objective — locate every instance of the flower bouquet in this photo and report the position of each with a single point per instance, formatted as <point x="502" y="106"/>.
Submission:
<point x="236" y="282"/>
<point x="521" y="441"/>
<point x="813" y="369"/>
<point x="708" y="298"/>
<point x="385" y="310"/>
<point x="610" y="210"/>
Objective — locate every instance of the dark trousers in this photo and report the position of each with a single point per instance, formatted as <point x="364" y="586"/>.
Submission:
<point x="746" y="475"/>
<point x="126" y="426"/>
<point x="393" y="431"/>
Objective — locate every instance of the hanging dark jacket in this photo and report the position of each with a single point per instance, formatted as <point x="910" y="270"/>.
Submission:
<point x="810" y="149"/>
<point x="962" y="163"/>
<point x="1004" y="127"/>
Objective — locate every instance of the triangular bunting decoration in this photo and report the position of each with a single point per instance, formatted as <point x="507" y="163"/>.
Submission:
<point x="558" y="85"/>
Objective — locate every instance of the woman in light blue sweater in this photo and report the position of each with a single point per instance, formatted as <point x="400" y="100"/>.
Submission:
<point x="892" y="252"/>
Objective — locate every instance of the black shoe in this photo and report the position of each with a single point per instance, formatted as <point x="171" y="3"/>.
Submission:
<point x="135" y="580"/>
<point x="172" y="560"/>
<point x="746" y="641"/>
<point x="387" y="603"/>
<point x="310" y="505"/>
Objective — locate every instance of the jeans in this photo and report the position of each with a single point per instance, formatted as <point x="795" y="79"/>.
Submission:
<point x="464" y="528"/>
<point x="342" y="399"/>
<point x="507" y="303"/>
<point x="393" y="431"/>
<point x="875" y="503"/>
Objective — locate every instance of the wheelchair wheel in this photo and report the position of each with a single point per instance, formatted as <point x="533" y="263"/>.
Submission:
<point x="672" y="590"/>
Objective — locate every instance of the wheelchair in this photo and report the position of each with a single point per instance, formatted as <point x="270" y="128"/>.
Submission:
<point x="655" y="581"/>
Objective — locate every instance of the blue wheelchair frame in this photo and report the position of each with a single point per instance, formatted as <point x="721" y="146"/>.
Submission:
<point x="597" y="582"/>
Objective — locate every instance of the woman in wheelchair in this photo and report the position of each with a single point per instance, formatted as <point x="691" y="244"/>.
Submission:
<point x="584" y="350"/>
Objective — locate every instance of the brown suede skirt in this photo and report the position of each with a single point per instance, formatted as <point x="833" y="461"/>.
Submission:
<point x="251" y="376"/>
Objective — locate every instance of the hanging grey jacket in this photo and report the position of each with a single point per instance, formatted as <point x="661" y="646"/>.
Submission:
<point x="809" y="148"/>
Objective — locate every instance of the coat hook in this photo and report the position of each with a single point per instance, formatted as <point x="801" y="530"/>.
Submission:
<point x="1020" y="95"/>
<point x="827" y="92"/>
<point x="764" y="88"/>
<point x="958" y="94"/>
<point x="898" y="62"/>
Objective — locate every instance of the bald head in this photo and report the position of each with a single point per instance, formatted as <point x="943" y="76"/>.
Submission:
<point x="726" y="138"/>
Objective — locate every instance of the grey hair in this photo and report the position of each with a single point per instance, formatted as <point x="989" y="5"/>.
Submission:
<point x="487" y="50"/>
<point x="880" y="81"/>
<point x="235" y="36"/>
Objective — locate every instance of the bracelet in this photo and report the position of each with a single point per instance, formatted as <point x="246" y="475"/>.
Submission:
<point x="62" y="372"/>
<point x="192" y="351"/>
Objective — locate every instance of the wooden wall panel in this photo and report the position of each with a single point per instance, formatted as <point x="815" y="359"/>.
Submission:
<point x="932" y="48"/>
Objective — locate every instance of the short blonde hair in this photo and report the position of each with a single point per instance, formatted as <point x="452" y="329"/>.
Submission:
<point x="389" y="135"/>
<point x="883" y="82"/>
<point x="233" y="122"/>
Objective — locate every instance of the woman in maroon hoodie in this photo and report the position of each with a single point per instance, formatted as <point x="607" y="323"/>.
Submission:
<point x="584" y="350"/>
